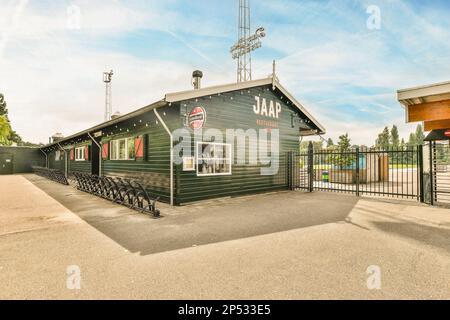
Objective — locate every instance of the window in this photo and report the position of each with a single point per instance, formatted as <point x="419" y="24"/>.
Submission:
<point x="213" y="159"/>
<point x="188" y="164"/>
<point x="58" y="155"/>
<point x="122" y="149"/>
<point x="79" y="154"/>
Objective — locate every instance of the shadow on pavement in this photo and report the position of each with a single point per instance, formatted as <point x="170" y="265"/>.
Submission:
<point x="429" y="235"/>
<point x="201" y="224"/>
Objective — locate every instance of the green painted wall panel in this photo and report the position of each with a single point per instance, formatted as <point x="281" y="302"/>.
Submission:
<point x="80" y="166"/>
<point x="23" y="158"/>
<point x="154" y="171"/>
<point x="56" y="163"/>
<point x="234" y="110"/>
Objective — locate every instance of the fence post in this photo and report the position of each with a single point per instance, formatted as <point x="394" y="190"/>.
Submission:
<point x="420" y="181"/>
<point x="310" y="167"/>
<point x="431" y="174"/>
<point x="357" y="171"/>
<point x="289" y="169"/>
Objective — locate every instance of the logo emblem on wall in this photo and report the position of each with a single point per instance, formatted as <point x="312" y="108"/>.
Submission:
<point x="197" y="118"/>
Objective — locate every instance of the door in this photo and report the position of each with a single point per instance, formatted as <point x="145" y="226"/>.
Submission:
<point x="95" y="159"/>
<point x="6" y="163"/>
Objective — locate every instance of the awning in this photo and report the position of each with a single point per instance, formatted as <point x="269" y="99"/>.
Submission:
<point x="438" y="135"/>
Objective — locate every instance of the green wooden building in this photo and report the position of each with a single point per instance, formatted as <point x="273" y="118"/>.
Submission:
<point x="146" y="144"/>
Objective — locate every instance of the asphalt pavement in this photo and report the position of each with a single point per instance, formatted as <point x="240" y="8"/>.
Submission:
<point x="285" y="245"/>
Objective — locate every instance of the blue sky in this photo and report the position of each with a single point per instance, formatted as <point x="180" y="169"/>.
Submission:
<point x="345" y="74"/>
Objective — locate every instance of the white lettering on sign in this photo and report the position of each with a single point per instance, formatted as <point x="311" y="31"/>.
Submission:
<point x="273" y="109"/>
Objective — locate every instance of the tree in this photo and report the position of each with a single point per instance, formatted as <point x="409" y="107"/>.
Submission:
<point x="419" y="135"/>
<point x="342" y="158"/>
<point x="344" y="143"/>
<point x="317" y="145"/>
<point x="3" y="106"/>
<point x="412" y="141"/>
<point x="13" y="135"/>
<point x="383" y="139"/>
<point x="395" y="138"/>
<point x="5" y="131"/>
<point x="330" y="143"/>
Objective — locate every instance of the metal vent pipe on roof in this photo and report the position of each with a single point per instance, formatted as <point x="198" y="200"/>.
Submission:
<point x="197" y="76"/>
<point x="57" y="137"/>
<point x="116" y="115"/>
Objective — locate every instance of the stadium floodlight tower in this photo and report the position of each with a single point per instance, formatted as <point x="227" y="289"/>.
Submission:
<point x="107" y="77"/>
<point x="246" y="43"/>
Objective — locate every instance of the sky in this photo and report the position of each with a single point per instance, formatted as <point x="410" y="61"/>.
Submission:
<point x="331" y="55"/>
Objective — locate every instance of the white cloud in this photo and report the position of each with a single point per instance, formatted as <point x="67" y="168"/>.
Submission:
<point x="52" y="79"/>
<point x="53" y="83"/>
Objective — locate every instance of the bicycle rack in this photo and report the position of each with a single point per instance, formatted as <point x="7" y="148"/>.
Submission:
<point x="51" y="174"/>
<point x="123" y="191"/>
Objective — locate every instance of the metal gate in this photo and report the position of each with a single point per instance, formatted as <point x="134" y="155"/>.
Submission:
<point x="438" y="172"/>
<point x="6" y="163"/>
<point x="394" y="172"/>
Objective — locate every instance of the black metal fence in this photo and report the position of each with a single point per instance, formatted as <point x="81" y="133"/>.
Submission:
<point x="437" y="173"/>
<point x="394" y="172"/>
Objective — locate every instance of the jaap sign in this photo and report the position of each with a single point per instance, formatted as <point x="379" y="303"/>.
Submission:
<point x="271" y="109"/>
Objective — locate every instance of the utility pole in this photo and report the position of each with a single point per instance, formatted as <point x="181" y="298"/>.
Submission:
<point x="246" y="43"/>
<point x="107" y="77"/>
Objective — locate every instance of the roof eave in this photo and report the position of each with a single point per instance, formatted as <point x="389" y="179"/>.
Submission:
<point x="192" y="94"/>
<point x="103" y="125"/>
<point x="418" y="95"/>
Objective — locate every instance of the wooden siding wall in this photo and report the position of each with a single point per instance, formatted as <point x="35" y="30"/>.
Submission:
<point x="80" y="166"/>
<point x="23" y="158"/>
<point x="235" y="110"/>
<point x="56" y="164"/>
<point x="232" y="110"/>
<point x="154" y="170"/>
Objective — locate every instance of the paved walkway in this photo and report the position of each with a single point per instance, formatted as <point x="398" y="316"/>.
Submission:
<point x="302" y="258"/>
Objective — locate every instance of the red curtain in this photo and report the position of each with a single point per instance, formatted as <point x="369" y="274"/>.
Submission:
<point x="139" y="147"/>
<point x="105" y="151"/>
<point x="86" y="153"/>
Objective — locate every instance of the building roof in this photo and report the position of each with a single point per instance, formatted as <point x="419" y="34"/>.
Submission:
<point x="192" y="94"/>
<point x="423" y="94"/>
<point x="437" y="135"/>
<point x="85" y="133"/>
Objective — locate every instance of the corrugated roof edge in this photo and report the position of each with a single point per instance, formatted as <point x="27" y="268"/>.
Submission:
<point x="127" y="116"/>
<point x="191" y="94"/>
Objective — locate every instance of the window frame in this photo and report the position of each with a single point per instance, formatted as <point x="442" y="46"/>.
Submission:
<point x="114" y="149"/>
<point x="228" y="158"/>
<point x="80" y="150"/>
<point x="58" y="155"/>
